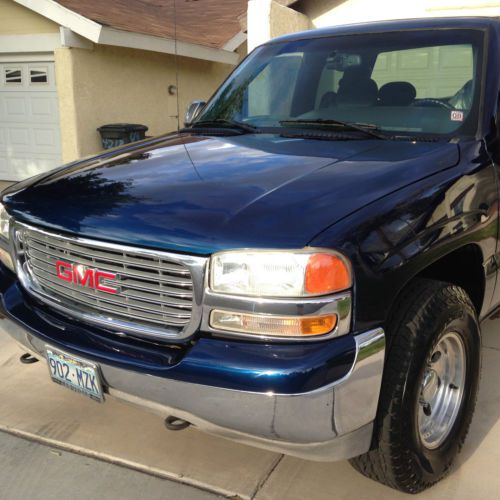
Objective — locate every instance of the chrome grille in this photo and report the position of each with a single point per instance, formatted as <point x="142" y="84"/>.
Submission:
<point x="154" y="291"/>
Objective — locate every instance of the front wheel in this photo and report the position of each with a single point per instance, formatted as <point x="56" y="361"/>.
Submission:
<point x="429" y="388"/>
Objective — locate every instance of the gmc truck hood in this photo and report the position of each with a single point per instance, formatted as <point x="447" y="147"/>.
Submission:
<point x="199" y="195"/>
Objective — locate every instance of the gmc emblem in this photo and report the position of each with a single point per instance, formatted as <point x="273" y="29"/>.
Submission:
<point x="80" y="275"/>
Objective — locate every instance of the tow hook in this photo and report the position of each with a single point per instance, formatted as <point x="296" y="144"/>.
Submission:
<point x="176" y="424"/>
<point x="28" y="359"/>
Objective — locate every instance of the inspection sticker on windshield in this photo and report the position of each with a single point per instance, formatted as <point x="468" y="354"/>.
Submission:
<point x="457" y="116"/>
<point x="75" y="374"/>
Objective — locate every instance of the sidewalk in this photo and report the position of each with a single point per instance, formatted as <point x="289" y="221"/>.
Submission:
<point x="33" y="407"/>
<point x="29" y="470"/>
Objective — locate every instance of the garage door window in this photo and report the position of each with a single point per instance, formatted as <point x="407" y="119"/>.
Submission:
<point x="38" y="75"/>
<point x="13" y="76"/>
<point x="30" y="141"/>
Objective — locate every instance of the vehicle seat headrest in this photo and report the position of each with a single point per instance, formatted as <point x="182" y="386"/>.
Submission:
<point x="328" y="100"/>
<point x="397" y="94"/>
<point x="357" y="89"/>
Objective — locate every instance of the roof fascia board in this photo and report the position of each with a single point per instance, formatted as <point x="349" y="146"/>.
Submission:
<point x="235" y="42"/>
<point x="119" y="38"/>
<point x="64" y="17"/>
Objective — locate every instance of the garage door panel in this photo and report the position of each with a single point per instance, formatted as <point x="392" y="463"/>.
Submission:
<point x="15" y="107"/>
<point x="44" y="138"/>
<point x="18" y="138"/>
<point x="29" y="108"/>
<point x="30" y="140"/>
<point x="42" y="108"/>
<point x="12" y="169"/>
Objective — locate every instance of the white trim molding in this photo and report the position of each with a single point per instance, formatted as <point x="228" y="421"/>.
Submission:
<point x="235" y="42"/>
<point x="99" y="34"/>
<point x="16" y="58"/>
<point x="110" y="36"/>
<point x="64" y="17"/>
<point x="43" y="42"/>
<point x="258" y="22"/>
<point x="71" y="39"/>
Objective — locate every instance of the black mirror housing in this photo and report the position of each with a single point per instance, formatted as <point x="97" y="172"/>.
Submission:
<point x="193" y="111"/>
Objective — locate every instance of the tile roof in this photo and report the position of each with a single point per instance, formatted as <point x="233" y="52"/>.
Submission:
<point x="205" y="22"/>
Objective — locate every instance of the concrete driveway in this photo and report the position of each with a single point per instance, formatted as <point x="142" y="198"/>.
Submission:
<point x="33" y="407"/>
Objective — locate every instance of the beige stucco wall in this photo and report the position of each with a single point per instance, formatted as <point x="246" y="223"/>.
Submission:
<point x="285" y="20"/>
<point x="111" y="84"/>
<point x="334" y="12"/>
<point x="268" y="19"/>
<point x="17" y="20"/>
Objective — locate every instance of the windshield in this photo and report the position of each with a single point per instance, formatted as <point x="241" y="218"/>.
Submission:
<point x="406" y="82"/>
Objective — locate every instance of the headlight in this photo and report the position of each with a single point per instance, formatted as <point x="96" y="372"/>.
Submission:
<point x="275" y="273"/>
<point x="4" y="223"/>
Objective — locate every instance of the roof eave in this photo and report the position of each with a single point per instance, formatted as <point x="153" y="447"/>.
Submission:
<point x="100" y="34"/>
<point x="119" y="38"/>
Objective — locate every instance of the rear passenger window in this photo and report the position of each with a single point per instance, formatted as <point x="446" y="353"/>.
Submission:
<point x="435" y="72"/>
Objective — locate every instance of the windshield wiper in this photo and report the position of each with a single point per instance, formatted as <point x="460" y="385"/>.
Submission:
<point x="224" y="123"/>
<point x="366" y="128"/>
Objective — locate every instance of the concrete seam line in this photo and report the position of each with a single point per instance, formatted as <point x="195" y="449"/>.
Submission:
<point x="152" y="471"/>
<point x="265" y="479"/>
<point x="493" y="348"/>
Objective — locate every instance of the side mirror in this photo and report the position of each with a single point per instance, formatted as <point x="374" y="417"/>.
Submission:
<point x="193" y="111"/>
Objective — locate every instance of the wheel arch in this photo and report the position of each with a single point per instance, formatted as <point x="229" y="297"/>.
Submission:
<point x="463" y="266"/>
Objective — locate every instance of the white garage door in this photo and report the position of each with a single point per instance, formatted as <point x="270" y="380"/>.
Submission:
<point x="30" y="140"/>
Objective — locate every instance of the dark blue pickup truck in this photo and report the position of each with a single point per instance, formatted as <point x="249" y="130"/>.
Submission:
<point x="303" y="267"/>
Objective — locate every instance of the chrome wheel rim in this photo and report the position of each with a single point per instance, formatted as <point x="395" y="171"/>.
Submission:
<point x="441" y="390"/>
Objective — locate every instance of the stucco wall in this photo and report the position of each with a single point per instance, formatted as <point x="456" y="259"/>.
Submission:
<point x="66" y="97"/>
<point x="285" y="20"/>
<point x="334" y="12"/>
<point x="18" y="20"/>
<point x="111" y="84"/>
<point x="268" y="19"/>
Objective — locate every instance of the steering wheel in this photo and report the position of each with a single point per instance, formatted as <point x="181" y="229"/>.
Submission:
<point x="435" y="103"/>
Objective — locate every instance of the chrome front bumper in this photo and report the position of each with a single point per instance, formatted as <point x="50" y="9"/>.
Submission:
<point x="331" y="423"/>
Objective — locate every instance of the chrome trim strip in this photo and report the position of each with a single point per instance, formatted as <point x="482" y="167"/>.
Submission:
<point x="196" y="265"/>
<point x="339" y="304"/>
<point x="339" y="448"/>
<point x="330" y="423"/>
<point x="362" y="383"/>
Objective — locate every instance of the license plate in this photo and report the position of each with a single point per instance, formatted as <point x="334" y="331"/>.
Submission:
<point x="75" y="374"/>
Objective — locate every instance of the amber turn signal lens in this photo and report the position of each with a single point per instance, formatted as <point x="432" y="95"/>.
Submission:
<point x="318" y="325"/>
<point x="326" y="273"/>
<point x="270" y="325"/>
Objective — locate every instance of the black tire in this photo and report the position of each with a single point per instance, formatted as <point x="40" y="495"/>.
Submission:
<point x="425" y="311"/>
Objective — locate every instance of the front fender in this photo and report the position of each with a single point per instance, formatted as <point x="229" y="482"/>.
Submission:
<point x="395" y="238"/>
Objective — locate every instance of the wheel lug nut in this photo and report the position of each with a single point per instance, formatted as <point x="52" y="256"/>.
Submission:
<point x="436" y="357"/>
<point x="453" y="386"/>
